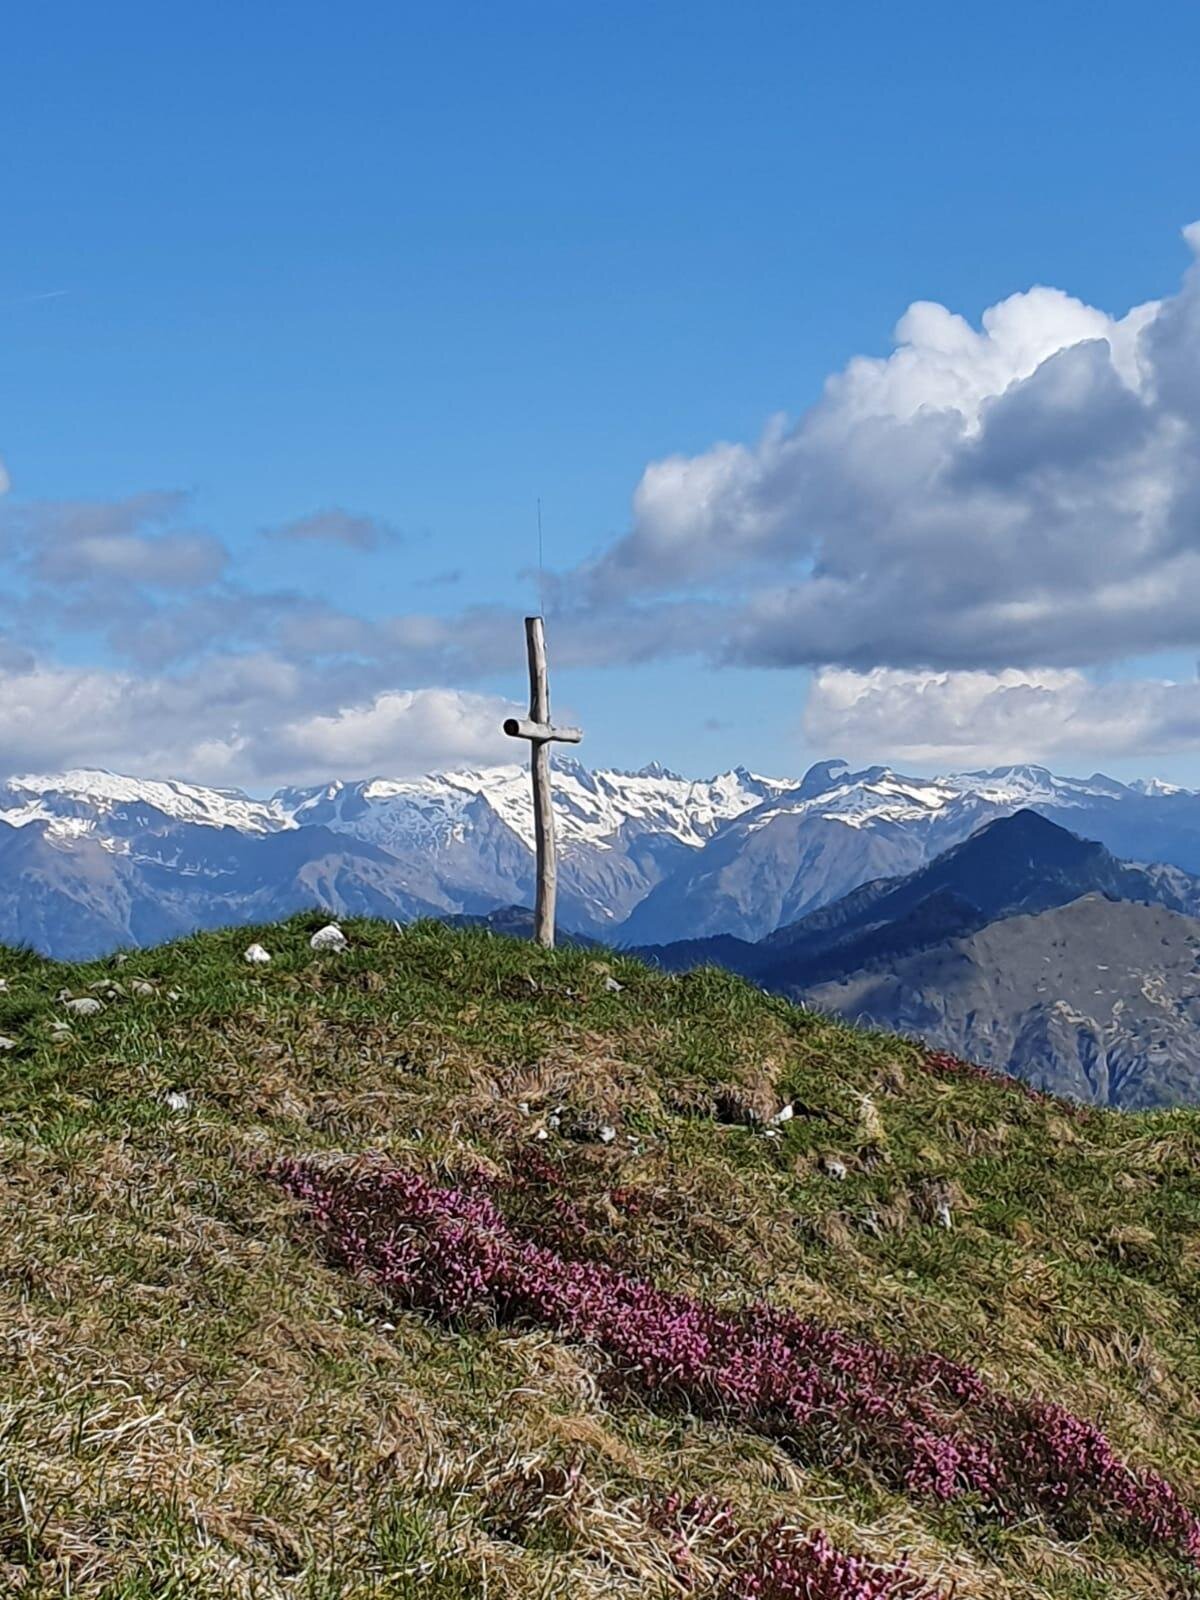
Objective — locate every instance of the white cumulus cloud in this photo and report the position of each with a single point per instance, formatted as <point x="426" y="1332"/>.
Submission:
<point x="400" y="732"/>
<point x="254" y="720"/>
<point x="982" y="718"/>
<point x="1025" y="492"/>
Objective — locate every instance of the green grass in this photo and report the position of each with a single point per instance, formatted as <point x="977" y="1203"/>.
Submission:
<point x="193" y="1403"/>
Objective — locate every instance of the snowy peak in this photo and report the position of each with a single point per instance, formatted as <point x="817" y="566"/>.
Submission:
<point x="823" y="776"/>
<point x="1155" y="787"/>
<point x="592" y="808"/>
<point x="878" y="795"/>
<point x="595" y="809"/>
<point x="654" y="854"/>
<point x="1030" y="785"/>
<point x="86" y="800"/>
<point x="397" y="814"/>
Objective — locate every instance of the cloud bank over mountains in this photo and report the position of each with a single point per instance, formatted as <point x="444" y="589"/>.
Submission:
<point x="955" y="537"/>
<point x="982" y="718"/>
<point x="236" y="719"/>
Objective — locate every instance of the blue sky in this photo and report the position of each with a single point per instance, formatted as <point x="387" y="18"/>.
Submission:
<point x="421" y="265"/>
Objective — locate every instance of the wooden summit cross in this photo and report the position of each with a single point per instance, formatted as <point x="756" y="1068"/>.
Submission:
<point x="540" y="732"/>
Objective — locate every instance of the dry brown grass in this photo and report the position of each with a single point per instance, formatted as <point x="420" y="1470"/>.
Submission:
<point x="192" y="1403"/>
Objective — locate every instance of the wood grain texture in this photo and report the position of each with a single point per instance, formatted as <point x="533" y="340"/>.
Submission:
<point x="541" y="733"/>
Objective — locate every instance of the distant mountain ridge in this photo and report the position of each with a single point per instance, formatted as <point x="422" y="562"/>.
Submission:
<point x="812" y="844"/>
<point x="90" y="860"/>
<point x="645" y="857"/>
<point x="1023" y="863"/>
<point x="1025" y="948"/>
<point x="1098" y="1000"/>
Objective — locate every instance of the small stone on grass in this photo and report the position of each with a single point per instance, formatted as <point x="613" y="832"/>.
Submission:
<point x="85" y="1006"/>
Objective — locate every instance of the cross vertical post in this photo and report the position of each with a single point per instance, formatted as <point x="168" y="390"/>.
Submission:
<point x="541" y="733"/>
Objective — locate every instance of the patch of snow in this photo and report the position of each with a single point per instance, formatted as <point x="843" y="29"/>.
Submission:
<point x="591" y="808"/>
<point x="76" y="801"/>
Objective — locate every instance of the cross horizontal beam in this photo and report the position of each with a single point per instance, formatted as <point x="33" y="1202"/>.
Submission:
<point x="540" y="732"/>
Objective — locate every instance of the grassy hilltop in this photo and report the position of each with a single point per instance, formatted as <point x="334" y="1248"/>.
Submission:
<point x="544" y="1167"/>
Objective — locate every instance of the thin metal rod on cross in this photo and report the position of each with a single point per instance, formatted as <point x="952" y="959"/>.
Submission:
<point x="541" y="733"/>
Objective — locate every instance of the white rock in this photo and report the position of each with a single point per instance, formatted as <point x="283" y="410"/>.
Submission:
<point x="3" y="985"/>
<point x="835" y="1168"/>
<point x="612" y="986"/>
<point x="142" y="986"/>
<point x="607" y="1134"/>
<point x="176" y="1100"/>
<point x="784" y="1114"/>
<point x="329" y="937"/>
<point x="256" y="956"/>
<point x="86" y="1006"/>
<point x="945" y="1220"/>
<point x="6" y="1043"/>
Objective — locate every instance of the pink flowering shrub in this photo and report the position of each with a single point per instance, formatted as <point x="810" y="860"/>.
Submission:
<point x="930" y="1427"/>
<point x="779" y="1563"/>
<point x="543" y="1204"/>
<point x="788" y="1565"/>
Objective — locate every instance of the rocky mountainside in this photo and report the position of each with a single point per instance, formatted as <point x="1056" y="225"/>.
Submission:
<point x="645" y="857"/>
<point x="1098" y="1000"/>
<point x="79" y="899"/>
<point x="1021" y="863"/>
<point x="92" y="860"/>
<point x="809" y="846"/>
<point x="619" y="833"/>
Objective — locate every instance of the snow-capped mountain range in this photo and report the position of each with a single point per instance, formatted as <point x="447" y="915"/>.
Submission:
<point x="91" y="859"/>
<point x="591" y="807"/>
